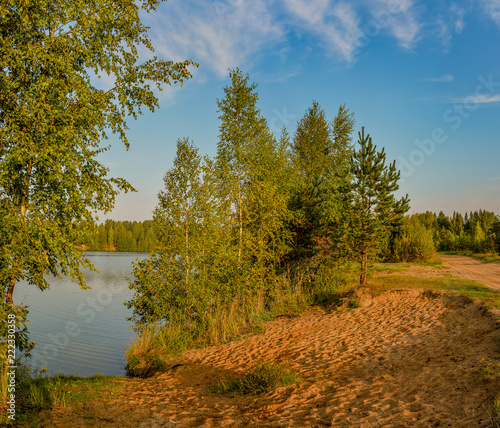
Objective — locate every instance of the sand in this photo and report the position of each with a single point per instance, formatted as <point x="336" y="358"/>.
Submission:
<point x="487" y="273"/>
<point x="403" y="359"/>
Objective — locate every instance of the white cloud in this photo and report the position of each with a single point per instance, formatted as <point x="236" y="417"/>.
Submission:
<point x="403" y="22"/>
<point x="457" y="14"/>
<point x="220" y="34"/>
<point x="478" y="99"/>
<point x="335" y="23"/>
<point x="444" y="78"/>
<point x="492" y="8"/>
<point x="450" y="23"/>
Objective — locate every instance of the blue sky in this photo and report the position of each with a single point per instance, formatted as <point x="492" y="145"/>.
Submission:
<point x="422" y="77"/>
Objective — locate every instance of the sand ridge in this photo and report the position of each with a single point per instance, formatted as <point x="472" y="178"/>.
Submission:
<point x="408" y="358"/>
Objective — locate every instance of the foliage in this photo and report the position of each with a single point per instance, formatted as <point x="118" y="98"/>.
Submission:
<point x="319" y="154"/>
<point x="53" y="116"/>
<point x="220" y="224"/>
<point x="250" y="164"/>
<point x="414" y="243"/>
<point x="261" y="379"/>
<point x="476" y="232"/>
<point x="254" y="232"/>
<point x="14" y="341"/>
<point x="371" y="210"/>
<point x="174" y="281"/>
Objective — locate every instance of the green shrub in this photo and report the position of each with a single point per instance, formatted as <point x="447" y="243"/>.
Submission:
<point x="415" y="243"/>
<point x="263" y="378"/>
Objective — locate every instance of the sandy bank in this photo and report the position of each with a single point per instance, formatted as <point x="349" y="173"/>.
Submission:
<point x="403" y="359"/>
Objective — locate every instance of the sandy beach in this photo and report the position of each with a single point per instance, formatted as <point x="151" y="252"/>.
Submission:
<point x="403" y="359"/>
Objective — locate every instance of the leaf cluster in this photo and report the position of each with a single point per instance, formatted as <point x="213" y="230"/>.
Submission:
<point x="71" y="73"/>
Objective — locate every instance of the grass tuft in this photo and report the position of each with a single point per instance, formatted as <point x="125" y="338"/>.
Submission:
<point x="262" y="379"/>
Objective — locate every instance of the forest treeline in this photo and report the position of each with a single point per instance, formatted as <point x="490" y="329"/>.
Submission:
<point x="477" y="232"/>
<point x="122" y="236"/>
<point x="420" y="236"/>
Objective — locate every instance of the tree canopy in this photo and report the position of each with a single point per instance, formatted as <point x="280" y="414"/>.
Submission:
<point x="71" y="74"/>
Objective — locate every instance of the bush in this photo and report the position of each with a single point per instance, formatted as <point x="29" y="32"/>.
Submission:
<point x="415" y="243"/>
<point x="263" y="378"/>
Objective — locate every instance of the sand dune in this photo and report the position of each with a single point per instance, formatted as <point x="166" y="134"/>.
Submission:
<point x="403" y="359"/>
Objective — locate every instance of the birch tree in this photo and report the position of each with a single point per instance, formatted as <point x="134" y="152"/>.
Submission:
<point x="70" y="75"/>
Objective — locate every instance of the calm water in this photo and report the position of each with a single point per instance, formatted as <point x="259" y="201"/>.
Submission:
<point x="82" y="331"/>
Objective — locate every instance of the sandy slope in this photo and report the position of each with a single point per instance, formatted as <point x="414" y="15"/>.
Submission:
<point x="489" y="273"/>
<point x="403" y="359"/>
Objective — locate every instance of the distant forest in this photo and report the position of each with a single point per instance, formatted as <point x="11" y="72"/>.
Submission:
<point x="122" y="236"/>
<point x="477" y="231"/>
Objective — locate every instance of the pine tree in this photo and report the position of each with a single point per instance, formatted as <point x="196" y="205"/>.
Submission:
<point x="312" y="143"/>
<point x="371" y="210"/>
<point x="319" y="152"/>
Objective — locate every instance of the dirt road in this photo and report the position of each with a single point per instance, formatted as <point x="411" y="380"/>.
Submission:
<point x="489" y="273"/>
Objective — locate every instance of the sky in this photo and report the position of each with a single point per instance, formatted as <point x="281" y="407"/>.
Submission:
<point x="422" y="77"/>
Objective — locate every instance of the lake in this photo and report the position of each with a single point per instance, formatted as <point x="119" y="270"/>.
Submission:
<point x="79" y="331"/>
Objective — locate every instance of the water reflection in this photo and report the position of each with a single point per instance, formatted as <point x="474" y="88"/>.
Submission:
<point x="82" y="331"/>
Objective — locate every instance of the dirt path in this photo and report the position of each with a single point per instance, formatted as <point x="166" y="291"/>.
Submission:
<point x="403" y="359"/>
<point x="489" y="273"/>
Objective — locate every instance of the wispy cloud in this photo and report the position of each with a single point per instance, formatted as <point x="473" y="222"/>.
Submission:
<point x="450" y="23"/>
<point x="282" y="77"/>
<point x="492" y="9"/>
<point x="458" y="14"/>
<point x="404" y="23"/>
<point x="335" y="24"/>
<point x="220" y="34"/>
<point x="478" y="99"/>
<point x="444" y="78"/>
<point x="492" y="179"/>
<point x="227" y="33"/>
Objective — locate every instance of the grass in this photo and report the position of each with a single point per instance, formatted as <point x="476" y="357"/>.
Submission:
<point x="381" y="267"/>
<point x="264" y="378"/>
<point x="390" y="267"/>
<point x="37" y="394"/>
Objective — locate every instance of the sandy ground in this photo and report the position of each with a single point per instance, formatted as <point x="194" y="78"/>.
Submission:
<point x="403" y="359"/>
<point x="488" y="273"/>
